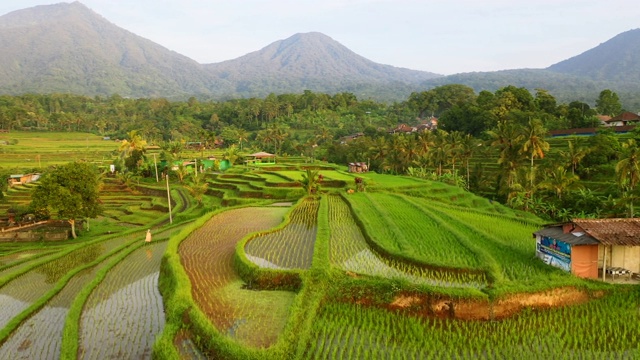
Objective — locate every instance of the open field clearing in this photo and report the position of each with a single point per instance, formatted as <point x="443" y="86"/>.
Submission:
<point x="124" y="313"/>
<point x="290" y="247"/>
<point x="350" y="251"/>
<point x="41" y="149"/>
<point x="207" y="256"/>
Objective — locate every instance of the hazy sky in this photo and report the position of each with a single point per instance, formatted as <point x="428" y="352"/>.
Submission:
<point x="441" y="36"/>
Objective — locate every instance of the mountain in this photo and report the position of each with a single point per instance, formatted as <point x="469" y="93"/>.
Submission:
<point x="69" y="48"/>
<point x="613" y="65"/>
<point x="617" y="59"/>
<point x="312" y="61"/>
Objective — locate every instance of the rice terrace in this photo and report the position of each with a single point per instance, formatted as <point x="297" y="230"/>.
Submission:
<point x="297" y="259"/>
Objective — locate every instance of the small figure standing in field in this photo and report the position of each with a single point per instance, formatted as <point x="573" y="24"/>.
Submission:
<point x="148" y="238"/>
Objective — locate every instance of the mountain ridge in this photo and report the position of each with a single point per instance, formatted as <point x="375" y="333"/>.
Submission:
<point x="67" y="47"/>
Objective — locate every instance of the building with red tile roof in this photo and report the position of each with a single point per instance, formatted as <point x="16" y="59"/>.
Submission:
<point x="587" y="247"/>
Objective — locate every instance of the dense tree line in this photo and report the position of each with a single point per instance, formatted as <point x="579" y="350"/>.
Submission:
<point x="509" y="124"/>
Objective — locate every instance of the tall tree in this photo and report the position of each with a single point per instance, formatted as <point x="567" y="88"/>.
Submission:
<point x="608" y="103"/>
<point x="574" y="155"/>
<point x="534" y="142"/>
<point x="628" y="171"/>
<point x="559" y="181"/>
<point x="71" y="191"/>
<point x="468" y="146"/>
<point x="507" y="138"/>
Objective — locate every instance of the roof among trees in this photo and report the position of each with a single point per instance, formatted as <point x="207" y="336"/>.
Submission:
<point x="625" y="116"/>
<point x="618" y="231"/>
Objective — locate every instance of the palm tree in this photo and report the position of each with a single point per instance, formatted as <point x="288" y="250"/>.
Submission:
<point x="628" y="171"/>
<point x="535" y="143"/>
<point x="310" y="182"/>
<point x="379" y="151"/>
<point x="468" y="146"/>
<point x="324" y="135"/>
<point x="575" y="154"/>
<point x="426" y="142"/>
<point x="134" y="142"/>
<point x="232" y="154"/>
<point x="454" y="149"/>
<point x="440" y="151"/>
<point x="182" y="172"/>
<point x="265" y="136"/>
<point x="507" y="137"/>
<point x="559" y="181"/>
<point x="197" y="187"/>
<point x="242" y="136"/>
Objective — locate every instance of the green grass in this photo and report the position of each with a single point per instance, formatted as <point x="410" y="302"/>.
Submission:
<point x="42" y="149"/>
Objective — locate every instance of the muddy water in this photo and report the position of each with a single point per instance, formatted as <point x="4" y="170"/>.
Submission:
<point x="252" y="317"/>
<point x="40" y="337"/>
<point x="124" y="313"/>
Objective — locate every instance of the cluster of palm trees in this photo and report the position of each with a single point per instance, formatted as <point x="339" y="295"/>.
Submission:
<point x="420" y="154"/>
<point x="527" y="177"/>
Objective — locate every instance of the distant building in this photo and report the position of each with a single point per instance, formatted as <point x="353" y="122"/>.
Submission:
<point x="358" y="167"/>
<point x="20" y="179"/>
<point x="626" y="118"/>
<point x="425" y="125"/>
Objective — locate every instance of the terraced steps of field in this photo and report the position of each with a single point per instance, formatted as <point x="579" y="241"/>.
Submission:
<point x="254" y="318"/>
<point x="290" y="247"/>
<point x="350" y="251"/>
<point x="399" y="230"/>
<point x="124" y="312"/>
<point x="40" y="335"/>
<point x="236" y="189"/>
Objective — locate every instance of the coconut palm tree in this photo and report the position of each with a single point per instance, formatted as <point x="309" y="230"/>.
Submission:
<point x="507" y="137"/>
<point x="242" y="136"/>
<point x="468" y="146"/>
<point x="134" y="142"/>
<point x="310" y="182"/>
<point x="535" y="143"/>
<point x="628" y="171"/>
<point x="559" y="181"/>
<point x="440" y="151"/>
<point x="197" y="187"/>
<point x="574" y="155"/>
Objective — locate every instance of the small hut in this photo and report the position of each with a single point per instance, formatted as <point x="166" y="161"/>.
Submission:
<point x="260" y="158"/>
<point x="586" y="247"/>
<point x="20" y="179"/>
<point x="358" y="167"/>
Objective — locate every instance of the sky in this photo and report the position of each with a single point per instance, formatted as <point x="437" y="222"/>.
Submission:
<point x="440" y="36"/>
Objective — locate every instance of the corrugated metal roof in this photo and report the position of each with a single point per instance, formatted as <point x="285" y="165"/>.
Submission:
<point x="555" y="232"/>
<point x="624" y="232"/>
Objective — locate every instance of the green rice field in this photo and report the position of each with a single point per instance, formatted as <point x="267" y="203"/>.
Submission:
<point x="407" y="269"/>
